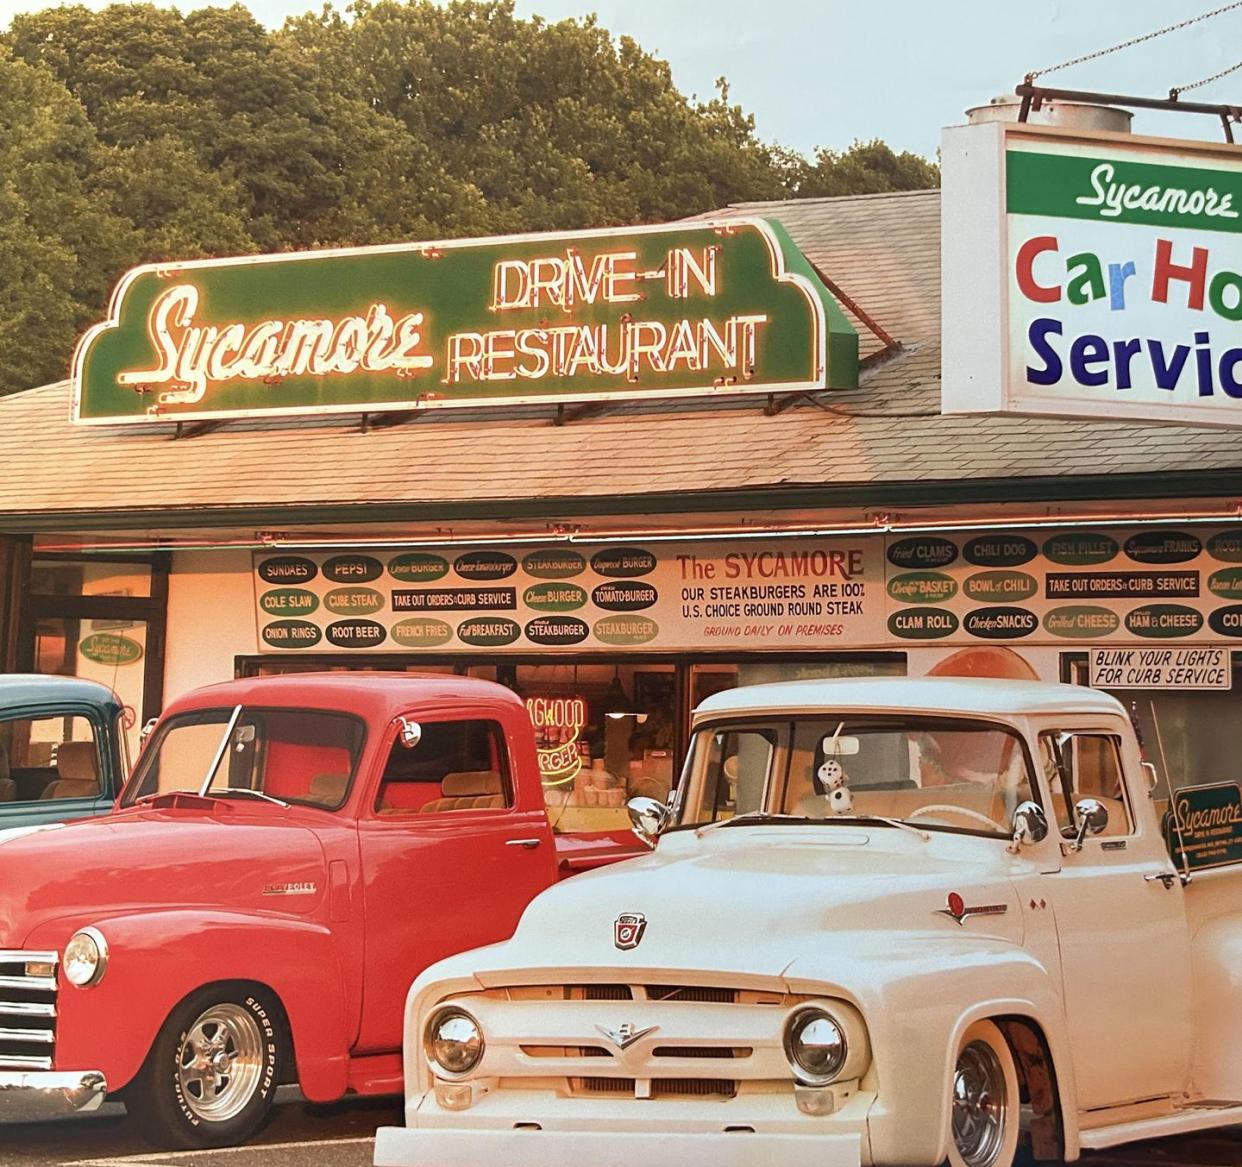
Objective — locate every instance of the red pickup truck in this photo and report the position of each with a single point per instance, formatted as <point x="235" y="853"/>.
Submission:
<point x="289" y="852"/>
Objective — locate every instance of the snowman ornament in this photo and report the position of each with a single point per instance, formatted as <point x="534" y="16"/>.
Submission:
<point x="833" y="783"/>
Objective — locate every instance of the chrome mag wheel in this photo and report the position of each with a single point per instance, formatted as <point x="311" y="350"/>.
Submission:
<point x="221" y="1062"/>
<point x="982" y="1106"/>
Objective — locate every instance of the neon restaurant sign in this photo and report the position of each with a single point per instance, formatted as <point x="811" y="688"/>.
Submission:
<point x="727" y="306"/>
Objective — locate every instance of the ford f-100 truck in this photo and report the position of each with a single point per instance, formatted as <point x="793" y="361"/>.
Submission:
<point x="287" y="853"/>
<point x="886" y="922"/>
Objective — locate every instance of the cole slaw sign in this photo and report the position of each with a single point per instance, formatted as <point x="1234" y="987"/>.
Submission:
<point x="727" y="306"/>
<point x="1113" y="275"/>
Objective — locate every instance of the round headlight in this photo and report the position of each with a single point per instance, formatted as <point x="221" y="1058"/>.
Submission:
<point x="453" y="1042"/>
<point x="86" y="958"/>
<point x="815" y="1046"/>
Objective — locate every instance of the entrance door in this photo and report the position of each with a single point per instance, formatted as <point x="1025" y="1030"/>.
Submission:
<point x="1125" y="949"/>
<point x="449" y="862"/>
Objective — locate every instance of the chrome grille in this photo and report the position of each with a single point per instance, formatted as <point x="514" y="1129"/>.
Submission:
<point x="27" y="1010"/>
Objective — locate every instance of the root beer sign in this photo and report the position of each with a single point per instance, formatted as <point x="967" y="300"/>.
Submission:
<point x="1113" y="269"/>
<point x="672" y="310"/>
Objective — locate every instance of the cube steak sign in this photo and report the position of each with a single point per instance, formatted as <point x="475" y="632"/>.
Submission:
<point x="726" y="306"/>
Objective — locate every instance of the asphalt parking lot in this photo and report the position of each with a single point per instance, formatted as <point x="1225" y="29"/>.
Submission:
<point x="301" y="1135"/>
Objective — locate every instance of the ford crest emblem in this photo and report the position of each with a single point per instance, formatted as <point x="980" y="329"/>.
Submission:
<point x="628" y="930"/>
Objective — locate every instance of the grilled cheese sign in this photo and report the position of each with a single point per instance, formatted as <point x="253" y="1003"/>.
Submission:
<point x="679" y="310"/>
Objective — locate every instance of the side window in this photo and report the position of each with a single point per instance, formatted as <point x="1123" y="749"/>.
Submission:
<point x="456" y="765"/>
<point x="49" y="759"/>
<point x="1085" y="765"/>
<point x="734" y="775"/>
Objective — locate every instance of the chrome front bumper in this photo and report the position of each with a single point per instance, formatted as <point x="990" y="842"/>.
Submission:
<point x="28" y="1097"/>
<point x="423" y="1147"/>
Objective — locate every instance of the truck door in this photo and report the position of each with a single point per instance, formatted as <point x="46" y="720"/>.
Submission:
<point x="450" y="858"/>
<point x="1125" y="949"/>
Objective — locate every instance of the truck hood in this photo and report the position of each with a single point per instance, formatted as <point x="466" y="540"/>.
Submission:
<point x="753" y="900"/>
<point x="232" y="858"/>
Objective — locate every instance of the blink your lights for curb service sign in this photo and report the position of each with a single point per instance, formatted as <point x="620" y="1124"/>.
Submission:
<point x="1103" y="278"/>
<point x="726" y="306"/>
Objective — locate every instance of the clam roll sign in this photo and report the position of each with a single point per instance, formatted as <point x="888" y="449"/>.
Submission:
<point x="727" y="306"/>
<point x="1092" y="276"/>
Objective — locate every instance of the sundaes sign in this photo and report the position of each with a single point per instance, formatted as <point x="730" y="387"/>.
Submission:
<point x="677" y="310"/>
<point x="1117" y="280"/>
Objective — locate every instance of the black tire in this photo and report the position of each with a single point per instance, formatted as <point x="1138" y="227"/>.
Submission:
<point x="211" y="1076"/>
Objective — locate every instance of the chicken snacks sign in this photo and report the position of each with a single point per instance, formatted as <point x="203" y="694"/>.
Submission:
<point x="1092" y="276"/>
<point x="728" y="306"/>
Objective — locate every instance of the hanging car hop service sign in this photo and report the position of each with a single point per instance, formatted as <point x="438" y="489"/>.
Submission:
<point x="726" y="306"/>
<point x="1094" y="276"/>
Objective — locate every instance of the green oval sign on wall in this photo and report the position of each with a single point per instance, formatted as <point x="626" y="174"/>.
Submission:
<point x="291" y="634"/>
<point x="922" y="587"/>
<point x="352" y="569"/>
<point x="1081" y="621"/>
<point x="353" y="601"/>
<point x="418" y="567"/>
<point x="1226" y="583"/>
<point x="992" y="587"/>
<point x="1226" y="546"/>
<point x="554" y="597"/>
<point x="922" y="623"/>
<point x="109" y="648"/>
<point x="554" y="564"/>
<point x="624" y="630"/>
<point x="1163" y="621"/>
<point x="421" y="632"/>
<point x="289" y="602"/>
<point x="489" y="631"/>
<point x="1081" y="548"/>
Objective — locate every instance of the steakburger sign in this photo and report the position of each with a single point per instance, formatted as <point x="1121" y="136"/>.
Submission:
<point x="726" y="306"/>
<point x="1092" y="276"/>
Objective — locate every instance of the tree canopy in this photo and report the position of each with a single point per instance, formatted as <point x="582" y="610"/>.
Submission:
<point x="138" y="133"/>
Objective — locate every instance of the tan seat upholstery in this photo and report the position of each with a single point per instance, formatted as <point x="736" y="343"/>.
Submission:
<point x="468" y="790"/>
<point x="77" y="772"/>
<point x="328" y="789"/>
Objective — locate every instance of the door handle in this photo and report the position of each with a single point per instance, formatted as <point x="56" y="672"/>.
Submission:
<point x="525" y="844"/>
<point x="1168" y="878"/>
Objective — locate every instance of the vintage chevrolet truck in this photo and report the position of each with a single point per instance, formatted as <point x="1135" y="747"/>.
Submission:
<point x="286" y="853"/>
<point x="886" y="922"/>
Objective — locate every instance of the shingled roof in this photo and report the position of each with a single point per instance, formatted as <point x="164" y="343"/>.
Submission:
<point x="886" y="440"/>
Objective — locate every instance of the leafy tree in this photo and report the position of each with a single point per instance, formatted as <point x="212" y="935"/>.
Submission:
<point x="865" y="168"/>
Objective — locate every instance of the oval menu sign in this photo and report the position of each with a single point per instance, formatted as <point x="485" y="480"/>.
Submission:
<point x="108" y="648"/>
<point x="623" y="562"/>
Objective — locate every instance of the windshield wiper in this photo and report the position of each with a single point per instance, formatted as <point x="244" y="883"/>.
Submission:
<point x="245" y="792"/>
<point x="879" y="818"/>
<point x="753" y="816"/>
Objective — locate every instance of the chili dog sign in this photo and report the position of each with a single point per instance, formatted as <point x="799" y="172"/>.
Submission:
<point x="1109" y="270"/>
<point x="728" y="307"/>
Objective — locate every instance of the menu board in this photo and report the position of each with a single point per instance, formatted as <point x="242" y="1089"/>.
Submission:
<point x="1157" y="588"/>
<point x="759" y="595"/>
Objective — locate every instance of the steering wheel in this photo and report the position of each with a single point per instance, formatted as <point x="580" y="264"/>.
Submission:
<point x="964" y="811"/>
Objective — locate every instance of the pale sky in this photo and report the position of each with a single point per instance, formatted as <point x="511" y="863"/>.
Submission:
<point x="824" y="72"/>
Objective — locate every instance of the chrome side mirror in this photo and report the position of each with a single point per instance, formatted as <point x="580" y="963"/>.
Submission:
<point x="649" y="818"/>
<point x="1092" y="819"/>
<point x="411" y="733"/>
<point x="1030" y="825"/>
<point x="147" y="728"/>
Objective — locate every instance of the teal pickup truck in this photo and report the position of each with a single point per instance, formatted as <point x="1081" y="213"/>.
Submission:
<point x="62" y="749"/>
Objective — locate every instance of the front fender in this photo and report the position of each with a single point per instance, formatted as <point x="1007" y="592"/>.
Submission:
<point x="918" y="995"/>
<point x="158" y="958"/>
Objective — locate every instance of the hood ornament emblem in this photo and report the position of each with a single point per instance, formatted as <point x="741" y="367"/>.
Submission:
<point x="628" y="930"/>
<point x="958" y="912"/>
<point x="625" y="1035"/>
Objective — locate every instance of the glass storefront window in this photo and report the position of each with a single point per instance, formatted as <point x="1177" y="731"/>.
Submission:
<point x="714" y="677"/>
<point x="55" y="577"/>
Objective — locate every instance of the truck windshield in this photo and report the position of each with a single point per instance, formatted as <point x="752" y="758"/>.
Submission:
<point x="935" y="773"/>
<point x="305" y="756"/>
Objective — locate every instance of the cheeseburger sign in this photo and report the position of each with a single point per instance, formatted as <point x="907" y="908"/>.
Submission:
<point x="1092" y="276"/>
<point x="726" y="306"/>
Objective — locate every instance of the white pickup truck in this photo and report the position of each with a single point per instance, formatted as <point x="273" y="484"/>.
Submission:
<point x="886" y="922"/>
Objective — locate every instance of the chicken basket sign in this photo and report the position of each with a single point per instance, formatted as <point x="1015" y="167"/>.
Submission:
<point x="727" y="306"/>
<point x="1092" y="276"/>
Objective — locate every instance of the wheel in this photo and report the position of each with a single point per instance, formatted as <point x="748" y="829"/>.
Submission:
<point x="964" y="811"/>
<point x="211" y="1076"/>
<point x="985" y="1100"/>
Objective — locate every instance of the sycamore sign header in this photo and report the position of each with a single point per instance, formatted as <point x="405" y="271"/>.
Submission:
<point x="726" y="306"/>
<point x="1092" y="276"/>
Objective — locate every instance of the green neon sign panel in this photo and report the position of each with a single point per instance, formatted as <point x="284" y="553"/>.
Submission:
<point x="715" y="307"/>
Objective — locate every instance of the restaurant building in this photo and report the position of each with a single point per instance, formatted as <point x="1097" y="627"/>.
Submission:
<point x="819" y="470"/>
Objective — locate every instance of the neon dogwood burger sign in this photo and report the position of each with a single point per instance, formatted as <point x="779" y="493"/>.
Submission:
<point x="728" y="306"/>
